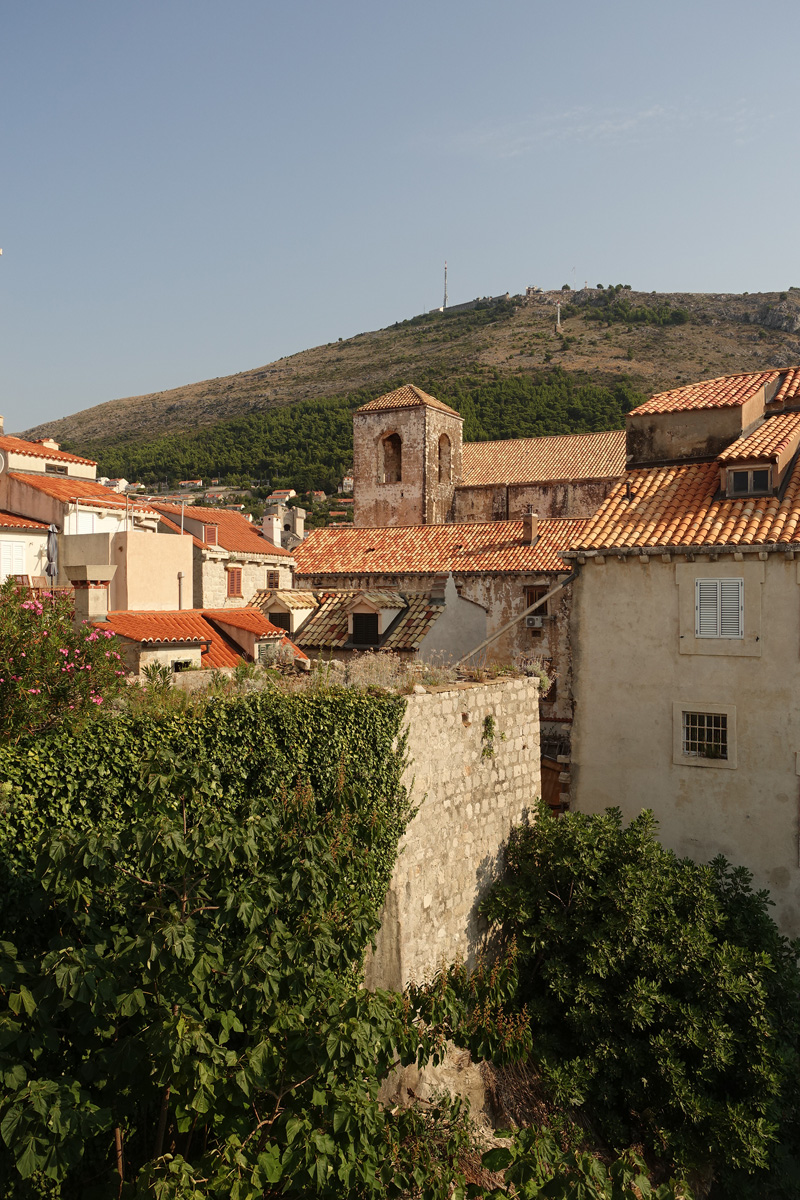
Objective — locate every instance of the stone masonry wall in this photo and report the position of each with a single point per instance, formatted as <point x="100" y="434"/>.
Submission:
<point x="470" y="790"/>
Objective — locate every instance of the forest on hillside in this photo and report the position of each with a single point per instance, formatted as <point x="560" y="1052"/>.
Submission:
<point x="310" y="444"/>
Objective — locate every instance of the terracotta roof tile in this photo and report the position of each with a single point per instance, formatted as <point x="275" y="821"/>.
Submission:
<point x="423" y="549"/>
<point x="726" y="391"/>
<point x="773" y="437"/>
<point x="249" y="618"/>
<point x="790" y="385"/>
<point x="12" y="521"/>
<point x="16" y="445"/>
<point x="327" y="626"/>
<point x="537" y="460"/>
<point x="681" y="506"/>
<point x="187" y="626"/>
<point x="85" y="491"/>
<point x="290" y="597"/>
<point x="408" y="396"/>
<point x="234" y="532"/>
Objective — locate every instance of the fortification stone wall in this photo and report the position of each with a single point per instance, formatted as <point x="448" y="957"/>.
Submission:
<point x="472" y="779"/>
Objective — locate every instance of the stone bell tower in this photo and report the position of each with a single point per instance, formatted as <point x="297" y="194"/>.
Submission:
<point x="407" y="459"/>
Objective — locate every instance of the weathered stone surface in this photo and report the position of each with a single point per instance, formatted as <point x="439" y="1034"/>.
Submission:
<point x="452" y="852"/>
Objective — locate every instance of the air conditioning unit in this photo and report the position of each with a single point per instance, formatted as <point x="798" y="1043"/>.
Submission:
<point x="534" y="622"/>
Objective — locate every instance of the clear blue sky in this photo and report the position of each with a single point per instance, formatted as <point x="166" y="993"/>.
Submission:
<point x="192" y="188"/>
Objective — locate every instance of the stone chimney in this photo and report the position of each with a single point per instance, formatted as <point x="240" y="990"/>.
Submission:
<point x="272" y="526"/>
<point x="91" y="590"/>
<point x="297" y="517"/>
<point x="1" y="425"/>
<point x="530" y="528"/>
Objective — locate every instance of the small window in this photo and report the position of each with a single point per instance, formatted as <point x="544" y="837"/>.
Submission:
<point x="55" y="468"/>
<point x="182" y="664"/>
<point x="280" y="619"/>
<point x="235" y="581"/>
<point x="273" y="580"/>
<point x="705" y="735"/>
<point x="719" y="608"/>
<point x="532" y="594"/>
<point x="365" y="629"/>
<point x="210" y="535"/>
<point x="752" y="482"/>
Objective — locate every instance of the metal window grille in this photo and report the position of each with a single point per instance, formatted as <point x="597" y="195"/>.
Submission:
<point x="705" y="735"/>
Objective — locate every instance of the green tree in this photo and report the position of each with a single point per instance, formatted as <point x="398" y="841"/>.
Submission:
<point x="662" y="998"/>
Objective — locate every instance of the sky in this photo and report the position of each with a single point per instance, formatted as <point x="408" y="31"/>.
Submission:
<point x="190" y="188"/>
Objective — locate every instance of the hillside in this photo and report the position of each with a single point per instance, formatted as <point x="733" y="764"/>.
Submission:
<point x="502" y="364"/>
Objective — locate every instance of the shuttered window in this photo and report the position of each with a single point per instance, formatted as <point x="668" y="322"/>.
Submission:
<point x="719" y="608"/>
<point x="235" y="581"/>
<point x="12" y="559"/>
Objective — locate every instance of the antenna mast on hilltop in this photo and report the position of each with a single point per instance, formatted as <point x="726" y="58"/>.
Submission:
<point x="445" y="285"/>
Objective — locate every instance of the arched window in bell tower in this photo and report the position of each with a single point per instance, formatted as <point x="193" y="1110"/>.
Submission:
<point x="445" y="460"/>
<point x="392" y="464"/>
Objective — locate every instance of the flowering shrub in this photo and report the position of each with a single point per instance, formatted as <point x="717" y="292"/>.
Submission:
<point x="50" y="670"/>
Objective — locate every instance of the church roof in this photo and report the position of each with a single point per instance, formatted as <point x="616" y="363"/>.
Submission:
<point x="408" y="396"/>
<point x="544" y="459"/>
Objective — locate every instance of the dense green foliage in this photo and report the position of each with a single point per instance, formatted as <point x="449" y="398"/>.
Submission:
<point x="613" y="308"/>
<point x="83" y="777"/>
<point x="663" y="1001"/>
<point x="310" y="445"/>
<point x="51" y="670"/>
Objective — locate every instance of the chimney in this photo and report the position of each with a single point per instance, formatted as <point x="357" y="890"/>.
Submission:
<point x="91" y="590"/>
<point x="530" y="528"/>
<point x="271" y="526"/>
<point x="297" y="516"/>
<point x="1" y="425"/>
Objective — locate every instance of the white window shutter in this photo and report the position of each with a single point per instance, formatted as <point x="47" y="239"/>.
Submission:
<point x="731" y="608"/>
<point x="12" y="558"/>
<point x="706" y="608"/>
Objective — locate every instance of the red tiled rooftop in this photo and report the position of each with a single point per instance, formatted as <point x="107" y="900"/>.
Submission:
<point x="84" y="491"/>
<point x="234" y="532"/>
<point x="12" y="521"/>
<point x="682" y="506"/>
<point x="251" y="619"/>
<point x="408" y="396"/>
<point x="16" y="445"/>
<point x="422" y="549"/>
<point x="543" y="459"/>
<point x="726" y="391"/>
<point x="773" y="436"/>
<point x="186" y="626"/>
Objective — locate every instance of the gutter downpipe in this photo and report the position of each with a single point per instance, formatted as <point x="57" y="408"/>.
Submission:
<point x="510" y="624"/>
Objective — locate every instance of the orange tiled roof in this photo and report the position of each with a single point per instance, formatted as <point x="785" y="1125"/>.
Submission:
<point x="187" y="626"/>
<point x="12" y="521"/>
<point x="327" y="626"/>
<point x="234" y="532"/>
<point x="726" y="391"/>
<point x="408" y="396"/>
<point x="85" y="491"/>
<point x="36" y="450"/>
<point x="681" y="506"/>
<point x="537" y="460"/>
<point x="249" y="618"/>
<point x="423" y="549"/>
<point x="774" y="436"/>
<point x="790" y="385"/>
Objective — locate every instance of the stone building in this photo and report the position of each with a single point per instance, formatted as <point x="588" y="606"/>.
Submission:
<point x="412" y="467"/>
<point x="501" y="566"/>
<point x="231" y="558"/>
<point x="686" y="629"/>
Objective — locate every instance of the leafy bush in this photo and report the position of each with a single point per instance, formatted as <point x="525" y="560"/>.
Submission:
<point x="51" y="670"/>
<point x="662" y="998"/>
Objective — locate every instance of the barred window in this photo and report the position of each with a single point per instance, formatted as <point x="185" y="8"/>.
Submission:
<point x="705" y="735"/>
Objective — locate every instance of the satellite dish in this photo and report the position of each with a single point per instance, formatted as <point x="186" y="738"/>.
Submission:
<point x="3" y="462"/>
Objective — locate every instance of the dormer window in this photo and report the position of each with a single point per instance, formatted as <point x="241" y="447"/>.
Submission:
<point x="52" y="468"/>
<point x="750" y="481"/>
<point x="365" y="629"/>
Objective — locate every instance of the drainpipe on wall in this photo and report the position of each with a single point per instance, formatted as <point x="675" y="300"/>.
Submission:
<point x="536" y="604"/>
<point x="180" y="590"/>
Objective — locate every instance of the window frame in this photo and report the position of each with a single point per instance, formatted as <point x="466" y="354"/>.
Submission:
<point x="719" y="584"/>
<point x="371" y="616"/>
<point x="732" y="494"/>
<point x="273" y="580"/>
<point x="703" y="707"/>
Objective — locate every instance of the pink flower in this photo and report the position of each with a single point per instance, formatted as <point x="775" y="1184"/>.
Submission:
<point x="61" y="650"/>
<point x="34" y="691"/>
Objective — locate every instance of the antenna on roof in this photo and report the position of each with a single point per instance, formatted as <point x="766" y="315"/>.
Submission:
<point x="444" y="306"/>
